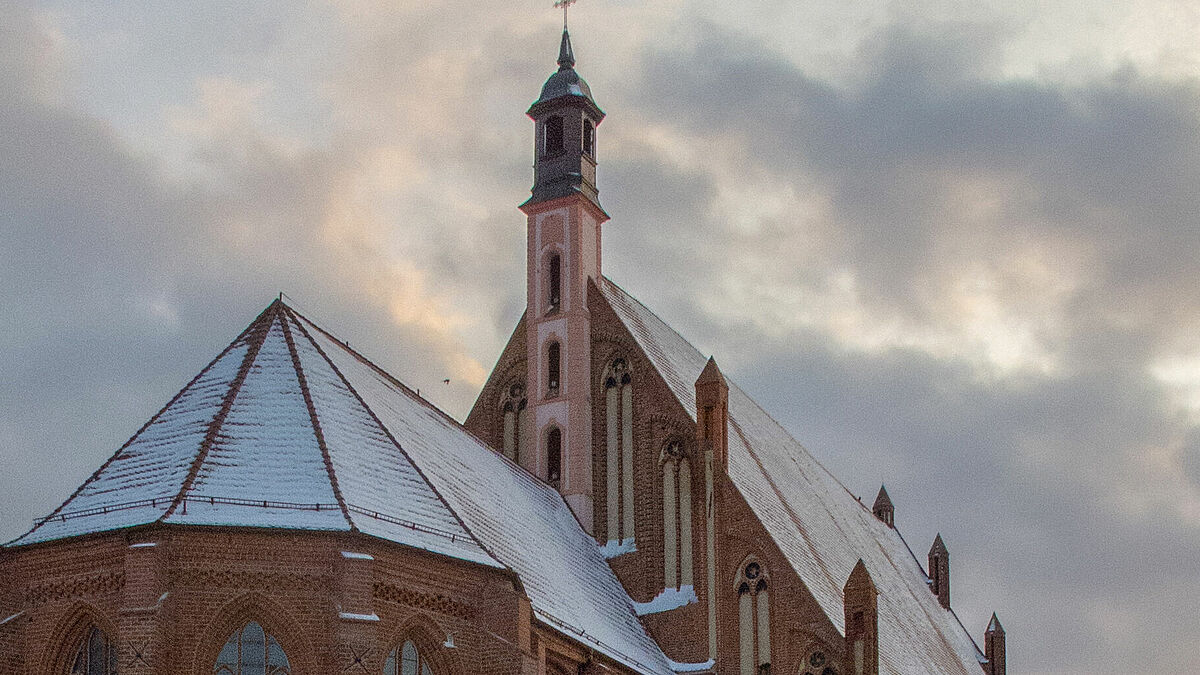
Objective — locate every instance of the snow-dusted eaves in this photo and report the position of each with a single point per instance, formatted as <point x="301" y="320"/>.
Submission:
<point x="289" y="428"/>
<point x="819" y="526"/>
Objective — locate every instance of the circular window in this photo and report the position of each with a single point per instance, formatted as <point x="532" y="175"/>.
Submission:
<point x="753" y="570"/>
<point x="817" y="663"/>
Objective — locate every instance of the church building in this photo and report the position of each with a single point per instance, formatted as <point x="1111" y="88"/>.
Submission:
<point x="612" y="504"/>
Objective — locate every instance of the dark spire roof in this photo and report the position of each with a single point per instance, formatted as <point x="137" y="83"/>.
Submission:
<point x="994" y="627"/>
<point x="882" y="500"/>
<point x="939" y="546"/>
<point x="566" y="55"/>
<point x="565" y="82"/>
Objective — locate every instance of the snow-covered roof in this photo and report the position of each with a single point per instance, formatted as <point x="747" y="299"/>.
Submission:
<point x="820" y="527"/>
<point x="290" y="428"/>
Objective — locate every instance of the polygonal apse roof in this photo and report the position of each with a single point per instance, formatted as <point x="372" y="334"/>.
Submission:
<point x="289" y="428"/>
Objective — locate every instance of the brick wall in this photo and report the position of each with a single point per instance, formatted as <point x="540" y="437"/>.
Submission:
<point x="298" y="585"/>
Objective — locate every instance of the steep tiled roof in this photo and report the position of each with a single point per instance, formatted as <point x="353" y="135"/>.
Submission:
<point x="290" y="428"/>
<point x="819" y="526"/>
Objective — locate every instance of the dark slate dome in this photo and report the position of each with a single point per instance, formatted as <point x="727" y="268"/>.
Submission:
<point x="565" y="82"/>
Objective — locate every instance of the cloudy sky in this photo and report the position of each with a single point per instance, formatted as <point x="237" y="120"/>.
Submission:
<point x="952" y="246"/>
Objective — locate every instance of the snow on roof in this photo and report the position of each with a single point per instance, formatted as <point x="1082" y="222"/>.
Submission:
<point x="290" y="428"/>
<point x="818" y="525"/>
<point x="268" y="435"/>
<point x="520" y="520"/>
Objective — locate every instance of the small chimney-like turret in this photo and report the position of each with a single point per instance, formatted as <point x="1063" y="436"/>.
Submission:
<point x="861" y="602"/>
<point x="883" y="508"/>
<point x="712" y="413"/>
<point x="993" y="647"/>
<point x="939" y="571"/>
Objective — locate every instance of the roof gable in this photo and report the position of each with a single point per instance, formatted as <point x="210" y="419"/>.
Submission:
<point x="818" y="525"/>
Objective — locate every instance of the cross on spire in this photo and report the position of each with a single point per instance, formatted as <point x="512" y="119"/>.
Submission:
<point x="565" y="4"/>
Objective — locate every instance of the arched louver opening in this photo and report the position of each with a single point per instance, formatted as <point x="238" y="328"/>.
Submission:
<point x="552" y="135"/>
<point x="250" y="650"/>
<point x="95" y="655"/>
<point x="406" y="660"/>
<point x="618" y="397"/>
<point x="554" y="457"/>
<point x="754" y="619"/>
<point x="553" y="369"/>
<point x="677" y="517"/>
<point x="589" y="138"/>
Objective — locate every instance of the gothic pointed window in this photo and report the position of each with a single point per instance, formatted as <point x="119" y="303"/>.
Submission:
<point x="250" y="650"/>
<point x="754" y="619"/>
<point x="515" y="420"/>
<point x="406" y="660"/>
<point x="553" y="369"/>
<point x="95" y="655"/>
<point x="618" y="397"/>
<point x="554" y="457"/>
<point x="554" y="274"/>
<point x="552" y="135"/>
<point x="677" y="517"/>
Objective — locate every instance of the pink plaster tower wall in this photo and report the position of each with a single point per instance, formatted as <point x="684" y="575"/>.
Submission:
<point x="564" y="220"/>
<point x="566" y="227"/>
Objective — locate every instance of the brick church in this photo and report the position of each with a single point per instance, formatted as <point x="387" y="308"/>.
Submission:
<point x="612" y="504"/>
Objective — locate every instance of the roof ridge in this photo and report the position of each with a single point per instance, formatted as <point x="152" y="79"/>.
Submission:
<point x="312" y="414"/>
<point x="413" y="394"/>
<point x="258" y="330"/>
<point x="141" y="430"/>
<point x="731" y="383"/>
<point x="383" y="428"/>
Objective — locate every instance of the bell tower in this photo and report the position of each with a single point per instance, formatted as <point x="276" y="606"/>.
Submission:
<point x="563" y="220"/>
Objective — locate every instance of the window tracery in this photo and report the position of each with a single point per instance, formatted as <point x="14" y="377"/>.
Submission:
<point x="406" y="660"/>
<point x="677" y="516"/>
<point x="250" y="650"/>
<point x="618" y="396"/>
<point x="816" y="662"/>
<point x="754" y="618"/>
<point x="515" y="420"/>
<point x="95" y="655"/>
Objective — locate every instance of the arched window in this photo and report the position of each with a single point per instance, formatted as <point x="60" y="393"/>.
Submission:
<point x="252" y="651"/>
<point x="618" y="397"/>
<point x="515" y="420"/>
<point x="554" y="279"/>
<point x="552" y="139"/>
<point x="754" y="618"/>
<point x="553" y="369"/>
<point x="589" y="137"/>
<point x="677" y="517"/>
<point x="554" y="457"/>
<point x="95" y="655"/>
<point x="406" y="660"/>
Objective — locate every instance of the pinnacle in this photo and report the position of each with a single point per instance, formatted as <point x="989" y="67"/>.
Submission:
<point x="859" y="576"/>
<point x="882" y="499"/>
<point x="566" y="55"/>
<point x="994" y="626"/>
<point x="711" y="372"/>
<point x="939" y="546"/>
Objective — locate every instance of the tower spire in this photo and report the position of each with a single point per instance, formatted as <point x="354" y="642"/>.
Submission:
<point x="566" y="55"/>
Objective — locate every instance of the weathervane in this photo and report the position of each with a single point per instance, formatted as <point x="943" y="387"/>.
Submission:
<point x="564" y="4"/>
